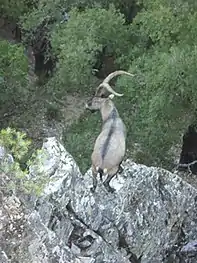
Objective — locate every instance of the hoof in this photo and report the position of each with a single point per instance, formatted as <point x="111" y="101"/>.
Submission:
<point x="92" y="189"/>
<point x="101" y="178"/>
<point x="109" y="188"/>
<point x="120" y="170"/>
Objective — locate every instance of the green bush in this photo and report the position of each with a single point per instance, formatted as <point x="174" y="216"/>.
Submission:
<point x="80" y="137"/>
<point x="77" y="47"/>
<point x="15" y="142"/>
<point x="18" y="145"/>
<point x="14" y="9"/>
<point x="13" y="72"/>
<point x="159" y="47"/>
<point x="160" y="101"/>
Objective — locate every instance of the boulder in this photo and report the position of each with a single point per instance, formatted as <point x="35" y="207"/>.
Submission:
<point x="150" y="218"/>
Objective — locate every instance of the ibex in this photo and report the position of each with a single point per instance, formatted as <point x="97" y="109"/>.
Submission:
<point x="109" y="148"/>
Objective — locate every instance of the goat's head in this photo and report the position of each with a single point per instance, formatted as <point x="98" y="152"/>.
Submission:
<point x="101" y="100"/>
<point x="104" y="91"/>
<point x="96" y="103"/>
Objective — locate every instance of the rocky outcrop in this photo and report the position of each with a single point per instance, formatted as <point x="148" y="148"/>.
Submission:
<point x="150" y="218"/>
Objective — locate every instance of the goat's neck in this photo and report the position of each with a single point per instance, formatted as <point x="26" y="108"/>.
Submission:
<point x="109" y="112"/>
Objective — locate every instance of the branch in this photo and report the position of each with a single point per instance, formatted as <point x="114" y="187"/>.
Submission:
<point x="187" y="165"/>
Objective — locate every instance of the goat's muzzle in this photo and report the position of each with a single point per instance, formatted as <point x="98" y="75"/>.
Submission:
<point x="88" y="106"/>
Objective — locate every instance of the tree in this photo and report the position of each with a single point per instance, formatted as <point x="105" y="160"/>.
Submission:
<point x="73" y="43"/>
<point x="164" y="88"/>
<point x="13" y="72"/>
<point x="158" y="45"/>
<point x="160" y="101"/>
<point x="14" y="9"/>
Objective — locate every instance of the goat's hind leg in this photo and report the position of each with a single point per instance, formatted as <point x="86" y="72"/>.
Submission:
<point x="120" y="168"/>
<point x="106" y="183"/>
<point x="110" y="175"/>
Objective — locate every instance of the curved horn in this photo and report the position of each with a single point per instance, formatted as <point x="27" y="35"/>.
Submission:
<point x="116" y="73"/>
<point x="109" y="88"/>
<point x="106" y="85"/>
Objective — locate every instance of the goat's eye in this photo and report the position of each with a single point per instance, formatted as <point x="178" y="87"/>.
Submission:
<point x="102" y="95"/>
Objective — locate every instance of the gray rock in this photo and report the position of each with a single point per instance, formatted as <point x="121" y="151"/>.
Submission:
<point x="5" y="157"/>
<point x="150" y="218"/>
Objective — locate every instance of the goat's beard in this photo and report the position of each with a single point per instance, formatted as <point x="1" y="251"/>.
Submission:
<point x="89" y="108"/>
<point x="92" y="110"/>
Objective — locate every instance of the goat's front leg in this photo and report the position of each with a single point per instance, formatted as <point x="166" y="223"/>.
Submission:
<point x="94" y="174"/>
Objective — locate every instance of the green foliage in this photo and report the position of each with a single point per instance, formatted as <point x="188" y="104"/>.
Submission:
<point x="80" y="137"/>
<point x="17" y="144"/>
<point x="160" y="101"/>
<point x="160" y="25"/>
<point x="166" y="22"/>
<point x="159" y="47"/>
<point x="13" y="72"/>
<point x="44" y="10"/>
<point x="14" y="9"/>
<point x="53" y="112"/>
<point x="74" y="43"/>
<point x="164" y="87"/>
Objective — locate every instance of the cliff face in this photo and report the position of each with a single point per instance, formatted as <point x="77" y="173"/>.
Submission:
<point x="150" y="218"/>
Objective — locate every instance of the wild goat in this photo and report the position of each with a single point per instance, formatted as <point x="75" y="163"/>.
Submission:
<point x="109" y="148"/>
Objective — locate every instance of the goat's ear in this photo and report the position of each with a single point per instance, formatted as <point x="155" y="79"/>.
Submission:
<point x="111" y="96"/>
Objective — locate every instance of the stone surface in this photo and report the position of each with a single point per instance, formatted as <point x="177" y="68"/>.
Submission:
<point x="150" y="218"/>
<point x="5" y="157"/>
